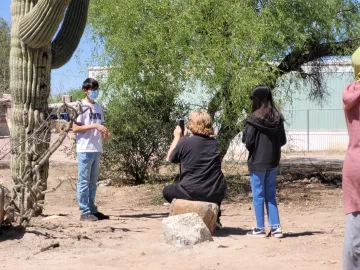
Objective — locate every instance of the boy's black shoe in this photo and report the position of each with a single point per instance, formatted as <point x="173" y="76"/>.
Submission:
<point x="101" y="216"/>
<point x="88" y="217"/>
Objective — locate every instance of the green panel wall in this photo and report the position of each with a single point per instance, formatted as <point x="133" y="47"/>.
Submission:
<point x="327" y="115"/>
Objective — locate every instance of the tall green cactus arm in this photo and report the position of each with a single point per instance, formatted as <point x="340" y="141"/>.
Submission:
<point x="38" y="27"/>
<point x="68" y="38"/>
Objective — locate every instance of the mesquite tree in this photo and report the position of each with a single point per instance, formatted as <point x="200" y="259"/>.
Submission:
<point x="34" y="53"/>
<point x="227" y="46"/>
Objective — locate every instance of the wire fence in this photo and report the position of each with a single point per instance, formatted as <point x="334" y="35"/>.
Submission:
<point x="306" y="130"/>
<point x="316" y="130"/>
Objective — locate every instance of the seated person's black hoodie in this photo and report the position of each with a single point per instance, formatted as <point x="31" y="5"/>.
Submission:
<point x="263" y="140"/>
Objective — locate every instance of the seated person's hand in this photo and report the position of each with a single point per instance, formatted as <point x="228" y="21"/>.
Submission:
<point x="177" y="132"/>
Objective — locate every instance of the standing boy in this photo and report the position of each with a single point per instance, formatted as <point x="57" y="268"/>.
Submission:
<point x="90" y="131"/>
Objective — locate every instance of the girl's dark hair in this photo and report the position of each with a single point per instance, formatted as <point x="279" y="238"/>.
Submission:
<point x="90" y="83"/>
<point x="263" y="106"/>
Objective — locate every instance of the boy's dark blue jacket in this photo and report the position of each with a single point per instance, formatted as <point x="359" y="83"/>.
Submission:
<point x="263" y="140"/>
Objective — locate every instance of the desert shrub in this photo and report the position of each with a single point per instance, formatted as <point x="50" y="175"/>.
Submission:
<point x="141" y="129"/>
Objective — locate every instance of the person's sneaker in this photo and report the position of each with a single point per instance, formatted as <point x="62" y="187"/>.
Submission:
<point x="88" y="217"/>
<point x="257" y="233"/>
<point x="276" y="232"/>
<point x="101" y="216"/>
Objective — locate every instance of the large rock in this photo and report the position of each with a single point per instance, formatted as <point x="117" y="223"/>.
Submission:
<point x="185" y="230"/>
<point x="206" y="210"/>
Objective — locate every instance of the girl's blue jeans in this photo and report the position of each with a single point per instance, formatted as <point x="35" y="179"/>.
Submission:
<point x="263" y="186"/>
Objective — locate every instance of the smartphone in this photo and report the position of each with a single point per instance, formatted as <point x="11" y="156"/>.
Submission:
<point x="182" y="126"/>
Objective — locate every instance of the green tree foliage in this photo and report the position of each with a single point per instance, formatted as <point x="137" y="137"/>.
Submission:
<point x="141" y="131"/>
<point x="4" y="55"/>
<point x="229" y="46"/>
<point x="76" y="94"/>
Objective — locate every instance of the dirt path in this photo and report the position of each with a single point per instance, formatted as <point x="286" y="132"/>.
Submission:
<point x="311" y="215"/>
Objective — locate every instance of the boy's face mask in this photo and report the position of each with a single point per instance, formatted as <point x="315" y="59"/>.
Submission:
<point x="93" y="94"/>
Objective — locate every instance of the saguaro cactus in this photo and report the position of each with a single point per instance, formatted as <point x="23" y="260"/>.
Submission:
<point x="34" y="53"/>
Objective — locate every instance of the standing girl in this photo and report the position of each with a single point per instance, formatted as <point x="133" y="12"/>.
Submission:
<point x="264" y="135"/>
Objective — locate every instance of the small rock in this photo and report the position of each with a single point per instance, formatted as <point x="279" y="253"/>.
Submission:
<point x="104" y="183"/>
<point x="142" y="253"/>
<point x="306" y="181"/>
<point x="185" y="230"/>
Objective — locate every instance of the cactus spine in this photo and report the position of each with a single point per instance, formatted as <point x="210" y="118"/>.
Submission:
<point x="33" y="55"/>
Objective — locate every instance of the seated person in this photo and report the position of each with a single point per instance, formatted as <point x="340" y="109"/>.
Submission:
<point x="201" y="178"/>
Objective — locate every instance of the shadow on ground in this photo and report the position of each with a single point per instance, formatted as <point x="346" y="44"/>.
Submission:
<point x="227" y="231"/>
<point x="300" y="234"/>
<point x="11" y="233"/>
<point x="145" y="215"/>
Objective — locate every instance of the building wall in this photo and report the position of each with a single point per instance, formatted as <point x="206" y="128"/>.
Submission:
<point x="315" y="126"/>
<point x="303" y="113"/>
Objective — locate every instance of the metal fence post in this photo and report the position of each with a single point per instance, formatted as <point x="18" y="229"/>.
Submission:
<point x="66" y="98"/>
<point x="308" y="128"/>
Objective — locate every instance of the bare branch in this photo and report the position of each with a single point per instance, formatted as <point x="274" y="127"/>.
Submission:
<point x="29" y="187"/>
<point x="294" y="60"/>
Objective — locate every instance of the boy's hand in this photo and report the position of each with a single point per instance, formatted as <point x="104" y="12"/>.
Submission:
<point x="102" y="129"/>
<point x="106" y="135"/>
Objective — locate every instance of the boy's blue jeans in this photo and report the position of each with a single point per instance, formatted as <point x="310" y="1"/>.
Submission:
<point x="263" y="186"/>
<point x="88" y="174"/>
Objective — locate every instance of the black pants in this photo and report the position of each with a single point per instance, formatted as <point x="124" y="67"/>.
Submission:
<point x="173" y="191"/>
